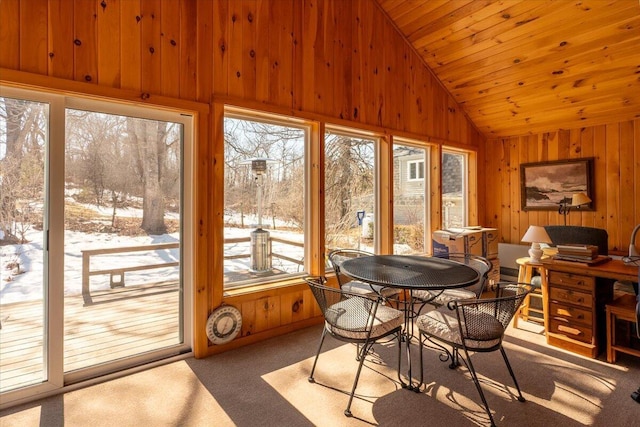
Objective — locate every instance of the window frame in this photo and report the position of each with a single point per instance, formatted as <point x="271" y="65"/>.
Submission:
<point x="240" y="113"/>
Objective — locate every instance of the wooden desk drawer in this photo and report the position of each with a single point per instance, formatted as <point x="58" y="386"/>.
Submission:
<point x="571" y="280"/>
<point x="572" y="313"/>
<point x="571" y="330"/>
<point x="573" y="297"/>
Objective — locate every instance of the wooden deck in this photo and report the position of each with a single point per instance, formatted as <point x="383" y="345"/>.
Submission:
<point x="119" y="323"/>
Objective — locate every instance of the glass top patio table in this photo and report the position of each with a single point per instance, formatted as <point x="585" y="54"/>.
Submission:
<point x="410" y="272"/>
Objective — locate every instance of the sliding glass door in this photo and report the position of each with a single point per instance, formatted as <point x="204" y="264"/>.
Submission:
<point x="23" y="142"/>
<point x="94" y="214"/>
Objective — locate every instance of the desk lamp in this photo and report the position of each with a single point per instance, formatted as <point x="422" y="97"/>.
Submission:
<point x="577" y="200"/>
<point x="535" y="235"/>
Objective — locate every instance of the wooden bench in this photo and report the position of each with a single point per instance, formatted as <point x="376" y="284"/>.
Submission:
<point x="622" y="308"/>
<point x="116" y="274"/>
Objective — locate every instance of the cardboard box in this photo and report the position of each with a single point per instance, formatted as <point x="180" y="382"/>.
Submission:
<point x="490" y="243"/>
<point x="472" y="240"/>
<point x="494" y="274"/>
<point x="457" y="241"/>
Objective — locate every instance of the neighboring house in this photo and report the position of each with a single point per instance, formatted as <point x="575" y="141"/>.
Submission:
<point x="409" y="183"/>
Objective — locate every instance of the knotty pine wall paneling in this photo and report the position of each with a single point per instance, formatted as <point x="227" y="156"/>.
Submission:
<point x="325" y="60"/>
<point x="186" y="42"/>
<point x="108" y="51"/>
<point x="60" y="50"/>
<point x="86" y="42"/>
<point x="131" y="44"/>
<point x="151" y="19"/>
<point x="10" y="34"/>
<point x="615" y="148"/>
<point x="33" y="36"/>
<point x="169" y="52"/>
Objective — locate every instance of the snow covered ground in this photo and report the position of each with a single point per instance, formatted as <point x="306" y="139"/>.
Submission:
<point x="27" y="283"/>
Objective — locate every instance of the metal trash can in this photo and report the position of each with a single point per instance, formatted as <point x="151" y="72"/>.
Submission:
<point x="260" y="250"/>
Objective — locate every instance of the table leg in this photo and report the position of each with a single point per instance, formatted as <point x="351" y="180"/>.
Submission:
<point x="407" y="336"/>
<point x="544" y="288"/>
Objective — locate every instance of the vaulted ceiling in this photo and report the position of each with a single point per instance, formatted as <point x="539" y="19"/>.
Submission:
<point x="529" y="66"/>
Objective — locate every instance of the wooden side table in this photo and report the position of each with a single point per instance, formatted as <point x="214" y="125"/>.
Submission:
<point x="525" y="274"/>
<point x="622" y="308"/>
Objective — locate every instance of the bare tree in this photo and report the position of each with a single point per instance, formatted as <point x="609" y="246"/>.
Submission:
<point x="148" y="138"/>
<point x="348" y="182"/>
<point x="21" y="165"/>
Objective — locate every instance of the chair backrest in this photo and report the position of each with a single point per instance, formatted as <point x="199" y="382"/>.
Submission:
<point x="567" y="234"/>
<point x="480" y="264"/>
<point x="338" y="256"/>
<point x="487" y="319"/>
<point x="348" y="316"/>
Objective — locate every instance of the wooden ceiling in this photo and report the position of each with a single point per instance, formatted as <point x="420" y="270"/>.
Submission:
<point x="529" y="66"/>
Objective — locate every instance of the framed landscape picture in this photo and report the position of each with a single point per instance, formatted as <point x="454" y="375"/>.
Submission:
<point x="544" y="185"/>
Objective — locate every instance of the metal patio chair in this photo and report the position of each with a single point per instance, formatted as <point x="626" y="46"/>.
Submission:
<point x="354" y="318"/>
<point x="338" y="256"/>
<point x="440" y="298"/>
<point x="475" y="325"/>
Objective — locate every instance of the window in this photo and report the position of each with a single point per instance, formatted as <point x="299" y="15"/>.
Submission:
<point x="409" y="198"/>
<point x="415" y="169"/>
<point x="454" y="189"/>
<point x="350" y="191"/>
<point x="264" y="198"/>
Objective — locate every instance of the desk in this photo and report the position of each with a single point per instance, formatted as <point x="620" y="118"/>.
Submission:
<point x="410" y="273"/>
<point x="575" y="300"/>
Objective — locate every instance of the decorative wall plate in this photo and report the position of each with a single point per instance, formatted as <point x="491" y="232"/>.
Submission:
<point x="224" y="324"/>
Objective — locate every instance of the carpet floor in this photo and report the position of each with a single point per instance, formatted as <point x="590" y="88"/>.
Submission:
<point x="266" y="384"/>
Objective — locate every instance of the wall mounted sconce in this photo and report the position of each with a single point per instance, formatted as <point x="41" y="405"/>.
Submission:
<point x="577" y="200"/>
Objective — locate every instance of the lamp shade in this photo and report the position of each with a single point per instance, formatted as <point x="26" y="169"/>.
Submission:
<point x="536" y="234"/>
<point x="579" y="199"/>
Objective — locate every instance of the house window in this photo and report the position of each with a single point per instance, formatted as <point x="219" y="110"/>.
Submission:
<point x="410" y="199"/>
<point x="454" y="189"/>
<point x="264" y="198"/>
<point x="415" y="170"/>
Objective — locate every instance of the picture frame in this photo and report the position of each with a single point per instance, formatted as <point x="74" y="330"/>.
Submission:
<point x="545" y="185"/>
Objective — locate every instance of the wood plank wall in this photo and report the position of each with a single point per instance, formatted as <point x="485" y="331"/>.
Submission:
<point x="330" y="60"/>
<point x="616" y="149"/>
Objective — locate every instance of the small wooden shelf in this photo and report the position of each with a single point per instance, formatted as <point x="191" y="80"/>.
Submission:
<point x="622" y="308"/>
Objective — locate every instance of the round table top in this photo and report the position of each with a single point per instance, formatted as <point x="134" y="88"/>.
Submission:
<point x="410" y="271"/>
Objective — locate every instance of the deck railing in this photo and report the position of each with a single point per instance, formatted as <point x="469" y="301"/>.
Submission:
<point x="117" y="274"/>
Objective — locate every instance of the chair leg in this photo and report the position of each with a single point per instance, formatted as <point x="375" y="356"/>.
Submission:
<point x="399" y="334"/>
<point x="364" y="349"/>
<point x="476" y="381"/>
<point x="315" y="361"/>
<point x="506" y="361"/>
